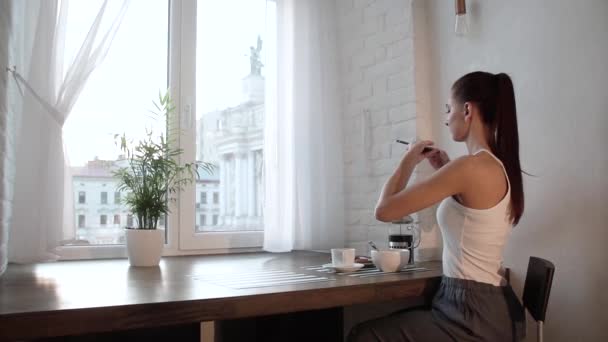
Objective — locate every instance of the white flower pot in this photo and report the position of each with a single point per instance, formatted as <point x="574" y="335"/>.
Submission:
<point x="145" y="246"/>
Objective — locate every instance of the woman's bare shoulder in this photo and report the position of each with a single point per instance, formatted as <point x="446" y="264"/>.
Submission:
<point x="472" y="168"/>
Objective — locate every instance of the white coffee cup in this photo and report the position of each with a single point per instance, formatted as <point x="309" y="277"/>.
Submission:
<point x="342" y="256"/>
<point x="392" y="260"/>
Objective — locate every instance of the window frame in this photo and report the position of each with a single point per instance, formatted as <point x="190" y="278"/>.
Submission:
<point x="185" y="85"/>
<point x="181" y="237"/>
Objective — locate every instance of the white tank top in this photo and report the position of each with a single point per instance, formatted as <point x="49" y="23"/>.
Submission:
<point x="474" y="239"/>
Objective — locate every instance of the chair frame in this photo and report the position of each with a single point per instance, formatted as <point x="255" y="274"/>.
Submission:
<point x="539" y="279"/>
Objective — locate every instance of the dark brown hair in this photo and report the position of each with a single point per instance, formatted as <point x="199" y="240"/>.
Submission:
<point x="496" y="100"/>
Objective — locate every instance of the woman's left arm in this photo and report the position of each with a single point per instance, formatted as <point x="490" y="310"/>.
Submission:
<point x="396" y="200"/>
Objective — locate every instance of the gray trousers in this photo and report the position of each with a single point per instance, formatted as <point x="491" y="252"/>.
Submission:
<point x="461" y="310"/>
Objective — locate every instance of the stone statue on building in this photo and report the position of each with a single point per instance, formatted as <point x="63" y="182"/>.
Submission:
<point x="255" y="59"/>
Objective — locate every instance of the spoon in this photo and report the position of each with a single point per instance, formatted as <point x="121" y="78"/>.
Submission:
<point x="371" y="243"/>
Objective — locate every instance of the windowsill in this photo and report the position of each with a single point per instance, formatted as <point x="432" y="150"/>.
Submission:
<point x="93" y="252"/>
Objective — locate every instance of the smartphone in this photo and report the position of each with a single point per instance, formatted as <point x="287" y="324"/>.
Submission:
<point x="424" y="150"/>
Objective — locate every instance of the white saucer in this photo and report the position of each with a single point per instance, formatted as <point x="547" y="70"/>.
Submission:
<point x="344" y="268"/>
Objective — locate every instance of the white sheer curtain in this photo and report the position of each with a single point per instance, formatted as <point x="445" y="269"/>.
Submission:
<point x="42" y="210"/>
<point x="303" y="140"/>
<point x="6" y="141"/>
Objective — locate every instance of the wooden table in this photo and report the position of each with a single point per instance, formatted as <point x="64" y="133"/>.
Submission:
<point x="83" y="297"/>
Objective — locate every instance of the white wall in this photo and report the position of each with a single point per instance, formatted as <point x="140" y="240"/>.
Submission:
<point x="379" y="102"/>
<point x="557" y="55"/>
<point x="379" y="105"/>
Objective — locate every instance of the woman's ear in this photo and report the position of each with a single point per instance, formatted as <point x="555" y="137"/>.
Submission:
<point x="466" y="108"/>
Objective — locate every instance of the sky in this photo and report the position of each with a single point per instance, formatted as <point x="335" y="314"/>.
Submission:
<point x="119" y="94"/>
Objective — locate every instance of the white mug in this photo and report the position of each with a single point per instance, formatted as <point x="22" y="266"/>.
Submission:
<point x="342" y="256"/>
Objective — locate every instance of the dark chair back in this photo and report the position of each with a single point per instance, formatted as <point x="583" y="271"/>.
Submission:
<point x="538" y="286"/>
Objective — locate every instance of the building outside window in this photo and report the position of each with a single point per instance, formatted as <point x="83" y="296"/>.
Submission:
<point x="203" y="198"/>
<point x="231" y="118"/>
<point x="82" y="197"/>
<point x="104" y="197"/>
<point x="117" y="197"/>
<point x="117" y="219"/>
<point x="103" y="220"/>
<point x="81" y="221"/>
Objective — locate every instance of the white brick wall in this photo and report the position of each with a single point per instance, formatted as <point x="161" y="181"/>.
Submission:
<point x="378" y="101"/>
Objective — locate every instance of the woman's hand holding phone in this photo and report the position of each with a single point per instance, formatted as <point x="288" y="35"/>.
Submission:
<point x="418" y="151"/>
<point x="437" y="158"/>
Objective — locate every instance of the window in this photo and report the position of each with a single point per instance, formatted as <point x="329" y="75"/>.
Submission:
<point x="103" y="220"/>
<point x="217" y="64"/>
<point x="81" y="221"/>
<point x="115" y="99"/>
<point x="117" y="219"/>
<point x="231" y="94"/>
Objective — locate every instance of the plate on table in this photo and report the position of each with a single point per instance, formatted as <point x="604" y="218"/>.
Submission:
<point x="344" y="268"/>
<point x="365" y="260"/>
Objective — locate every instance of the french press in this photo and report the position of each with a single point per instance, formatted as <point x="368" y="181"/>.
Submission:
<point x="408" y="237"/>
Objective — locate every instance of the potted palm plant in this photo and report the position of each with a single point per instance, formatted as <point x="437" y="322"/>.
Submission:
<point x="151" y="178"/>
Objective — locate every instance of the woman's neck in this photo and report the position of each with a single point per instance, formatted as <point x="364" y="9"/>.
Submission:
<point x="476" y="141"/>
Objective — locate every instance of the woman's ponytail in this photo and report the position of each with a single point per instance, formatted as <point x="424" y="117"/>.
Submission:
<point x="496" y="100"/>
<point x="506" y="143"/>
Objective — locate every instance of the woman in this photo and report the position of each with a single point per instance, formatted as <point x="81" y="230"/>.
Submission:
<point x="481" y="198"/>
